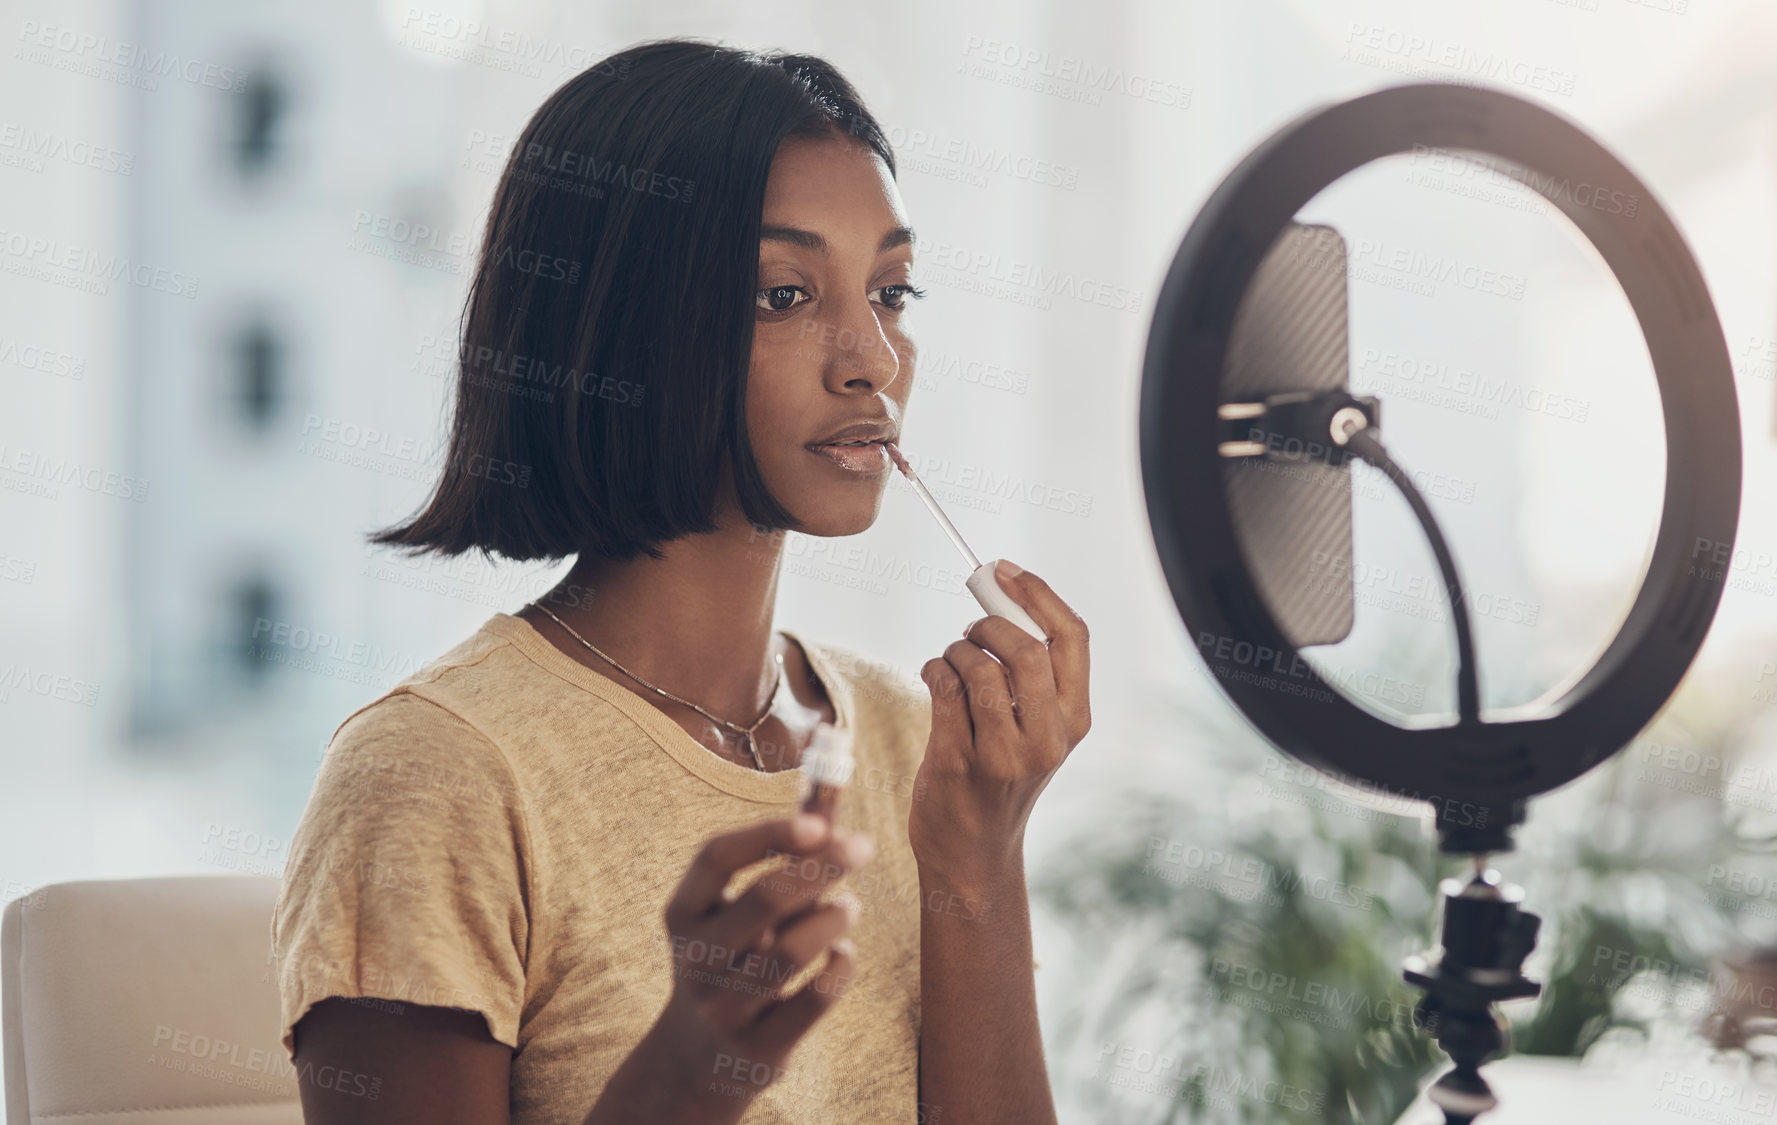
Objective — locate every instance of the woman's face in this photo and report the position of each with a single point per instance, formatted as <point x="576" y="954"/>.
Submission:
<point x="831" y="341"/>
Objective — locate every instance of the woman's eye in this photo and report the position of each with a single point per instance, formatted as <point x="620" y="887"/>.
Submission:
<point x="779" y="298"/>
<point x="895" y="296"/>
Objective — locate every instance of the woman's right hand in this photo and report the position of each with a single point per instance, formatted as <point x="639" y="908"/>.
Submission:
<point x="728" y="1028"/>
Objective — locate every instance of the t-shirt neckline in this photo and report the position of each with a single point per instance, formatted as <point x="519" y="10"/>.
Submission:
<point x="730" y="777"/>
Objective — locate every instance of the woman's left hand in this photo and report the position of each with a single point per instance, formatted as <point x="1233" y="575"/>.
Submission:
<point x="1000" y="729"/>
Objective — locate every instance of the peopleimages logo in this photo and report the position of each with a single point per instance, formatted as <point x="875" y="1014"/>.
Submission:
<point x="1410" y="53"/>
<point x="1171" y="858"/>
<point x="926" y="146"/>
<point x="80" y="52"/>
<point x="504" y="48"/>
<point x="1077" y="78"/>
<point x="938" y="257"/>
<point x="304" y="647"/>
<point x="1386" y="801"/>
<point x="55" y="262"/>
<point x="22" y="470"/>
<point x="1231" y="658"/>
<point x="1556" y="190"/>
<point x="34" y="146"/>
<point x="1180" y="1076"/>
<point x="49" y="685"/>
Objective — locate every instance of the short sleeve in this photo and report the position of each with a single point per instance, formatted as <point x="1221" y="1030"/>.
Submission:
<point x="407" y="874"/>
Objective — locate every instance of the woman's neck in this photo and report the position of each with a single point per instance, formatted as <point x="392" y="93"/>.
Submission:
<point x="697" y="622"/>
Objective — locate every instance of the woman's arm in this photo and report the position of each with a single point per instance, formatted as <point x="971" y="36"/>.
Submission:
<point x="361" y="1063"/>
<point x="1002" y="724"/>
<point x="981" y="1048"/>
<point x="358" y="1065"/>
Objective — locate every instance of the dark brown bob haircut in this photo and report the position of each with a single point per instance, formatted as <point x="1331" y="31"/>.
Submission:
<point x="602" y="364"/>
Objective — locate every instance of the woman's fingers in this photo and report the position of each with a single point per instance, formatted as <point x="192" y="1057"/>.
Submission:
<point x="953" y="731"/>
<point x="700" y="890"/>
<point x="745" y="982"/>
<point x="989" y="695"/>
<point x="784" y="1023"/>
<point x="1025" y="664"/>
<point x="733" y="957"/>
<point x="749" y="921"/>
<point x="806" y="937"/>
<point x="1069" y="648"/>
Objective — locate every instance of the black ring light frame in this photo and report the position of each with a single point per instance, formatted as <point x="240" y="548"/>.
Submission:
<point x="1489" y="766"/>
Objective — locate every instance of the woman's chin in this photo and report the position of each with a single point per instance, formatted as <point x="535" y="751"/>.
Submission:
<point x="849" y="516"/>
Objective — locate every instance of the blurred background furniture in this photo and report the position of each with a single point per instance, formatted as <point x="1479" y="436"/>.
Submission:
<point x="144" y="1002"/>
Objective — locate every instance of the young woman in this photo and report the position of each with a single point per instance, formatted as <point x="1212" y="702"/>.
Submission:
<point x="690" y="306"/>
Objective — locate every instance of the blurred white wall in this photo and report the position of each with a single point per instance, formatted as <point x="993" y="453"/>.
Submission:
<point x="150" y="513"/>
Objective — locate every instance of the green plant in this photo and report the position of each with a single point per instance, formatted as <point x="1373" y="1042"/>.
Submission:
<point x="1276" y="954"/>
<point x="1253" y="940"/>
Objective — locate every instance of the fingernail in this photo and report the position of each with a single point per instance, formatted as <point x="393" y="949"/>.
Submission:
<point x="1008" y="569"/>
<point x="846" y="946"/>
<point x="808" y="828"/>
<point x="858" y="849"/>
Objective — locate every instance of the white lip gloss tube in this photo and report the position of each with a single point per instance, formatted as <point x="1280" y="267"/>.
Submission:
<point x="826" y="768"/>
<point x="981" y="581"/>
<point x="995" y="600"/>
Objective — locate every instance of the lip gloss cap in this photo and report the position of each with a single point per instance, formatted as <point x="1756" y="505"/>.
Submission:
<point x="828" y="759"/>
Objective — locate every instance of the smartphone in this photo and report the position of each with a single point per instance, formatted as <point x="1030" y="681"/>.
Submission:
<point x="1292" y="514"/>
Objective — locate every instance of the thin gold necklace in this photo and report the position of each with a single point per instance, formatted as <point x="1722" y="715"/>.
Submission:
<point x="752" y="743"/>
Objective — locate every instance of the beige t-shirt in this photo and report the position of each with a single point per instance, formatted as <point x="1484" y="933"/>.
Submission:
<point x="501" y="832"/>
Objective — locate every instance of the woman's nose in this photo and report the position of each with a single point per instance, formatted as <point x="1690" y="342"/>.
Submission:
<point x="858" y="348"/>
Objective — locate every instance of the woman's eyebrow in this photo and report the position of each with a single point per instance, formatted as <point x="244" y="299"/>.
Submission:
<point x="809" y="240"/>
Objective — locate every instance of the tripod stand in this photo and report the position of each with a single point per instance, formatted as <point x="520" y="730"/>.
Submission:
<point x="1486" y="937"/>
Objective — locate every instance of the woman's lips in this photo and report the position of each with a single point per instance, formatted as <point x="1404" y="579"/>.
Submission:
<point x="868" y="458"/>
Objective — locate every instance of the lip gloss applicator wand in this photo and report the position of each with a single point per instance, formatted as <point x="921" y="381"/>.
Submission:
<point x="981" y="581"/>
